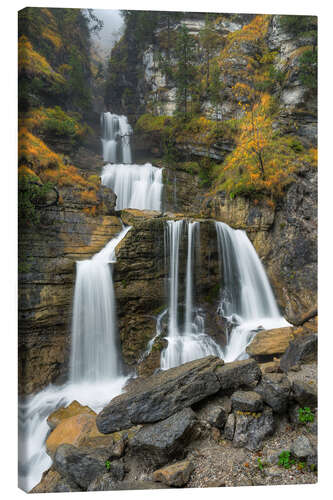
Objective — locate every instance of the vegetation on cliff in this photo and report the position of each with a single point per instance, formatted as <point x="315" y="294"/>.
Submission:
<point x="54" y="97"/>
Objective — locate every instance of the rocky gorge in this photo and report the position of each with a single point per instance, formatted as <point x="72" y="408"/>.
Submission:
<point x="176" y="422"/>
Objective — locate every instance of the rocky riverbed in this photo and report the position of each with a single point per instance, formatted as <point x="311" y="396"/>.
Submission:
<point x="202" y="424"/>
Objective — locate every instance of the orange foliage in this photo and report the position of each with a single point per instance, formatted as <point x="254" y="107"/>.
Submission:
<point x="34" y="64"/>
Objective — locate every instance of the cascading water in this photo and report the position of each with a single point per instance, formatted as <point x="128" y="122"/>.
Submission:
<point x="116" y="132"/>
<point x="247" y="299"/>
<point x="190" y="342"/>
<point x="136" y="186"/>
<point x="95" y="369"/>
<point x="94" y="355"/>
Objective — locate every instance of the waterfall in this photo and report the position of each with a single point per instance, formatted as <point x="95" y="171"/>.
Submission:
<point x="94" y="355"/>
<point x="136" y="186"/>
<point x="189" y="342"/>
<point x="95" y="369"/>
<point x="116" y="132"/>
<point x="247" y="299"/>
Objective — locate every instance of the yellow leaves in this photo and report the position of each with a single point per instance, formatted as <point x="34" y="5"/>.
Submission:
<point x="53" y="37"/>
<point x="34" y="64"/>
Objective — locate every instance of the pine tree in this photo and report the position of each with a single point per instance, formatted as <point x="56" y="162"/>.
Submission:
<point x="186" y="72"/>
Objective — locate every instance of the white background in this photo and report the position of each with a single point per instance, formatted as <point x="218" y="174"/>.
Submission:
<point x="8" y="212"/>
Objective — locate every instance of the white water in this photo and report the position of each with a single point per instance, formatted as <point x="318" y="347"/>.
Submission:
<point x="189" y="342"/>
<point x="116" y="132"/>
<point x="247" y="299"/>
<point x="94" y="355"/>
<point x="136" y="186"/>
<point x="95" y="370"/>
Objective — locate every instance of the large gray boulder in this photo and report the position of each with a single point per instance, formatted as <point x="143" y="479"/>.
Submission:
<point x="161" y="442"/>
<point x="239" y="373"/>
<point x="154" y="399"/>
<point x="78" y="465"/>
<point x="250" y="430"/>
<point x="300" y="350"/>
<point x="275" y="390"/>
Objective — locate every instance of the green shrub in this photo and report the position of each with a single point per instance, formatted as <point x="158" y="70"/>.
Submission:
<point x="305" y="415"/>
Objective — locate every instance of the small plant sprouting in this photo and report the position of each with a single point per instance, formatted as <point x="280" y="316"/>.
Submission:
<point x="305" y="415"/>
<point x="285" y="459"/>
<point x="260" y="464"/>
<point x="107" y="464"/>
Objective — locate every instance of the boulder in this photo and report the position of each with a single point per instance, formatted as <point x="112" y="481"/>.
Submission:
<point x="301" y="447"/>
<point x="160" y="442"/>
<point x="229" y="428"/>
<point x="271" y="456"/>
<point x="251" y="430"/>
<point x="75" y="430"/>
<point x="80" y="466"/>
<point x="246" y="401"/>
<point x="238" y="373"/>
<point x="215" y="411"/>
<point x="275" y="390"/>
<point x="75" y="408"/>
<point x="269" y="343"/>
<point x="161" y="395"/>
<point x="300" y="350"/>
<point x="53" y="482"/>
<point x="176" y="474"/>
<point x="304" y="385"/>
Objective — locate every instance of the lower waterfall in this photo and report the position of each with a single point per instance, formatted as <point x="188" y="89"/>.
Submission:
<point x="189" y="341"/>
<point x="136" y="186"/>
<point x="95" y="369"/>
<point x="247" y="300"/>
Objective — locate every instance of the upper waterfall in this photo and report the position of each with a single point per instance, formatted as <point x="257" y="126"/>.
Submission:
<point x="116" y="133"/>
<point x="247" y="299"/>
<point x="136" y="186"/>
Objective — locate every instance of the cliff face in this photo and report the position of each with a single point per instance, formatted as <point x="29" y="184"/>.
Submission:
<point x="46" y="284"/>
<point x="247" y="49"/>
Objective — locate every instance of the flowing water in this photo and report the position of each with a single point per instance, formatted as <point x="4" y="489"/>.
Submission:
<point x="136" y="186"/>
<point x="247" y="303"/>
<point x="95" y="364"/>
<point x="116" y="133"/>
<point x="188" y="341"/>
<point x="247" y="299"/>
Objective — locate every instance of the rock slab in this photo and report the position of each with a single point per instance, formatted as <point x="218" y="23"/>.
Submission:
<point x="162" y="395"/>
<point x="275" y="390"/>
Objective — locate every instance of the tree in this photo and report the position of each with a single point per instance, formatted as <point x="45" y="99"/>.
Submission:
<point x="185" y="72"/>
<point x="209" y="39"/>
<point x="215" y="90"/>
<point x="263" y="160"/>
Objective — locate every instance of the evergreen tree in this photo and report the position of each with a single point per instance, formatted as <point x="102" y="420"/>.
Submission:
<point x="185" y="74"/>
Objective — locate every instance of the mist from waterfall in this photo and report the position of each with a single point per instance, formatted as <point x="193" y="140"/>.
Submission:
<point x="186" y="341"/>
<point x="247" y="300"/>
